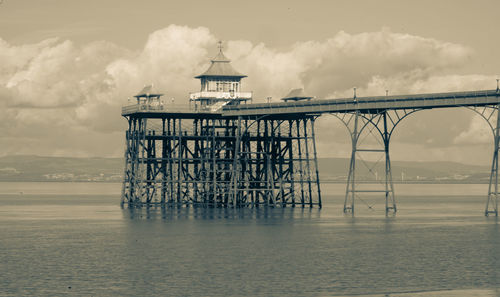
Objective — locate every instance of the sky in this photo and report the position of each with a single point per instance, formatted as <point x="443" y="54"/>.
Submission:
<point x="67" y="66"/>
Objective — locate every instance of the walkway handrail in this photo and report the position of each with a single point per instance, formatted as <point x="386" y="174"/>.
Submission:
<point x="431" y="100"/>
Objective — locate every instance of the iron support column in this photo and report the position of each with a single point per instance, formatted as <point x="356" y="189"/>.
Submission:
<point x="492" y="202"/>
<point x="316" y="162"/>
<point x="350" y="189"/>
<point x="390" y="202"/>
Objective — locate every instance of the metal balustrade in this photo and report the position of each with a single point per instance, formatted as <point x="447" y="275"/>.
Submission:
<point x="432" y="100"/>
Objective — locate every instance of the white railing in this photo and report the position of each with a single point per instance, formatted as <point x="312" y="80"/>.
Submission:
<point x="220" y="95"/>
<point x="145" y="107"/>
<point x="169" y="108"/>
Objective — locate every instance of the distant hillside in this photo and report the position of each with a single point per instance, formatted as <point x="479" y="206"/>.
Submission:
<point x="36" y="168"/>
<point x="337" y="169"/>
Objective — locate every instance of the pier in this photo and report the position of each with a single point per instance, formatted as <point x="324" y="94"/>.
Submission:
<point x="224" y="151"/>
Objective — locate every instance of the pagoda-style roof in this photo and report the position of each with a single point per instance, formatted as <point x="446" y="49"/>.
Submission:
<point x="221" y="67"/>
<point x="148" y="91"/>
<point x="296" y="95"/>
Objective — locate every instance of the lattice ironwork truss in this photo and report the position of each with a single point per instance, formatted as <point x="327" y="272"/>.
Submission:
<point x="252" y="161"/>
<point x="217" y="162"/>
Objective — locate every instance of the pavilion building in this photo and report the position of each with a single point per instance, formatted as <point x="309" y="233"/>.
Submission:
<point x="220" y="85"/>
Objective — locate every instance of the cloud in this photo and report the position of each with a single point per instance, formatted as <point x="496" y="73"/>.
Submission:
<point x="58" y="74"/>
<point x="56" y="89"/>
<point x="479" y="132"/>
<point x="328" y="68"/>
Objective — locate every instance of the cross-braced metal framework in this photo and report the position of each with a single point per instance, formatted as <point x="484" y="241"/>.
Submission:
<point x="371" y="132"/>
<point x="213" y="161"/>
<point x="265" y="154"/>
<point x="378" y="126"/>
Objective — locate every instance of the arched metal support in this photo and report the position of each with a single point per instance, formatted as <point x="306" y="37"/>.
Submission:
<point x="492" y="201"/>
<point x="491" y="115"/>
<point x="379" y="125"/>
<point x="384" y="122"/>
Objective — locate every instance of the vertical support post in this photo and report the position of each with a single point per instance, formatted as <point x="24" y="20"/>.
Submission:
<point x="177" y="154"/>
<point x="350" y="188"/>
<point x="259" y="157"/>
<point x="180" y="172"/>
<point x="142" y="163"/>
<point x="291" y="161"/>
<point x="171" y="155"/>
<point x="271" y="161"/>
<point x="196" y="158"/>
<point x="316" y="162"/>
<point x="163" y="162"/>
<point x="492" y="202"/>
<point x="247" y="162"/>
<point x="236" y="163"/>
<point x="135" y="141"/>
<point x="266" y="163"/>
<point x="154" y="168"/>
<point x="126" y="186"/>
<point x="280" y="173"/>
<point x="133" y="158"/>
<point x="390" y="199"/>
<point x="149" y="170"/>
<point x="214" y="166"/>
<point x="301" y="169"/>
<point x="308" y="162"/>
<point x="204" y="160"/>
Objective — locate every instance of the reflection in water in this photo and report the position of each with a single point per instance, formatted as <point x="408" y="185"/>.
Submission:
<point x="182" y="213"/>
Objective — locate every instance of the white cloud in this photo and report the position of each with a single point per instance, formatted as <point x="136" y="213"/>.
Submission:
<point x="479" y="132"/>
<point x="56" y="88"/>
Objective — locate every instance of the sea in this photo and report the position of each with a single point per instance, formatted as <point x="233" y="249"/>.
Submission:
<point x="74" y="239"/>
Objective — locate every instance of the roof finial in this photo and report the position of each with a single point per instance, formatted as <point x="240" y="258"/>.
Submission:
<point x="220" y="46"/>
<point x="498" y="89"/>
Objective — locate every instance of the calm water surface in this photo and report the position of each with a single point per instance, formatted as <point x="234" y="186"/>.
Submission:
<point x="73" y="238"/>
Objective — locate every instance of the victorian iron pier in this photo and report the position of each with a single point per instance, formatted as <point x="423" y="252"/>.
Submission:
<point x="225" y="152"/>
<point x="201" y="157"/>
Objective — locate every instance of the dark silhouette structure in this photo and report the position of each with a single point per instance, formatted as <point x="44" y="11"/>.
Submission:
<point x="223" y="152"/>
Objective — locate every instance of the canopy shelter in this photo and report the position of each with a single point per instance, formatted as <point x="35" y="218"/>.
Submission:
<point x="148" y="93"/>
<point x="296" y="95"/>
